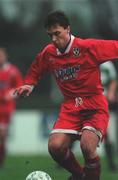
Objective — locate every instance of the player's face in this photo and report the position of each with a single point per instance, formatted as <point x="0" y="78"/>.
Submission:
<point x="59" y="35"/>
<point x="2" y="57"/>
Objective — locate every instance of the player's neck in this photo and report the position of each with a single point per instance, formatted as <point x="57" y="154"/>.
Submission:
<point x="2" y="66"/>
<point x="62" y="50"/>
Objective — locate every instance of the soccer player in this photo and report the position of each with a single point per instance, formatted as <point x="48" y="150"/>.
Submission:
<point x="10" y="78"/>
<point x="109" y="81"/>
<point x="84" y="116"/>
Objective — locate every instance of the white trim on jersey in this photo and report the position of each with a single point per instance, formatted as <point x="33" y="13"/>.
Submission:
<point x="6" y="65"/>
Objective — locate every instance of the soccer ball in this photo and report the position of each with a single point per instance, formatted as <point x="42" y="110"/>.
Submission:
<point x="38" y="175"/>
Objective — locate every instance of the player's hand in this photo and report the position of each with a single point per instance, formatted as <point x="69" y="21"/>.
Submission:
<point x="23" y="91"/>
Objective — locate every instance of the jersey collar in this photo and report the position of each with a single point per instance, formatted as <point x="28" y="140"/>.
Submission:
<point x="5" y="66"/>
<point x="68" y="47"/>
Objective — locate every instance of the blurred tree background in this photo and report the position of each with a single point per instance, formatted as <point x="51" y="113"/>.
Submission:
<point x="23" y="34"/>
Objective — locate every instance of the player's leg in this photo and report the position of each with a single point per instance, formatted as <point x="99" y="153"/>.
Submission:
<point x="4" y="122"/>
<point x="89" y="142"/>
<point x="3" y="133"/>
<point x="109" y="143"/>
<point x="109" y="150"/>
<point x="59" y="144"/>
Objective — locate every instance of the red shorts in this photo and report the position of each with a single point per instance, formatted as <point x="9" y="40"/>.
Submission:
<point x="83" y="113"/>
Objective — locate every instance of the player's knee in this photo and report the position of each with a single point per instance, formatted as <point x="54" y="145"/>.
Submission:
<point x="86" y="149"/>
<point x="88" y="144"/>
<point x="56" y="149"/>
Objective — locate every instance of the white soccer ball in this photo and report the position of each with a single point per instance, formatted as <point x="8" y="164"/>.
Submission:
<point x="38" y="175"/>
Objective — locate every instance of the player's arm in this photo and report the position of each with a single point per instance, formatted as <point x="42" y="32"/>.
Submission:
<point x="111" y="95"/>
<point x="104" y="50"/>
<point x="112" y="88"/>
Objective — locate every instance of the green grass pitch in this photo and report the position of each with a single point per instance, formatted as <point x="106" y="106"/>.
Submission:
<point x="17" y="168"/>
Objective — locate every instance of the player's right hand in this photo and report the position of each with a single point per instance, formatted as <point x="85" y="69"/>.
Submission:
<point x="23" y="91"/>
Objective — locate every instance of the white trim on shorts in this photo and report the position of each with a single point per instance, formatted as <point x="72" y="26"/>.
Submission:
<point x="97" y="132"/>
<point x="68" y="131"/>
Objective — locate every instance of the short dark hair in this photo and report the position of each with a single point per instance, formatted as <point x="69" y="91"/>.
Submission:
<point x="56" y="17"/>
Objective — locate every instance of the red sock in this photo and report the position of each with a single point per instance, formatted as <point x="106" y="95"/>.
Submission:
<point x="72" y="165"/>
<point x="92" y="169"/>
<point x="2" y="154"/>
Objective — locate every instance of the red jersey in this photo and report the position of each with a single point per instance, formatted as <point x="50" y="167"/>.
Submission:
<point x="76" y="70"/>
<point x="10" y="78"/>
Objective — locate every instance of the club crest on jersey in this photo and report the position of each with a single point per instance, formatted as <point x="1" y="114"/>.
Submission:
<point x="76" y="51"/>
